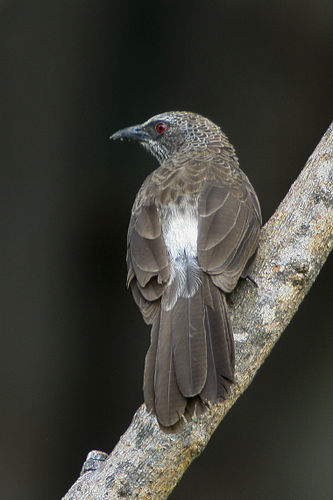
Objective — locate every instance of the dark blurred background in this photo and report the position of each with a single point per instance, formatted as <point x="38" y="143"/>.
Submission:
<point x="72" y="340"/>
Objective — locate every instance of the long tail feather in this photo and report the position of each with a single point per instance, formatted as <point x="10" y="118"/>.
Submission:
<point x="190" y="360"/>
<point x="189" y="344"/>
<point x="169" y="402"/>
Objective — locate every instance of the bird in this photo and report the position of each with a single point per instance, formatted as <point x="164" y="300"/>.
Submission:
<point x="193" y="233"/>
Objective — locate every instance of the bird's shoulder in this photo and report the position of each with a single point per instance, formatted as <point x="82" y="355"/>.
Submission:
<point x="169" y="182"/>
<point x="193" y="175"/>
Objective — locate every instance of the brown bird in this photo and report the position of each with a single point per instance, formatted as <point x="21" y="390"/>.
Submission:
<point x="193" y="232"/>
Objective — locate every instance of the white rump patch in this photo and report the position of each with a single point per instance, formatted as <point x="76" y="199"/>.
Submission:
<point x="180" y="233"/>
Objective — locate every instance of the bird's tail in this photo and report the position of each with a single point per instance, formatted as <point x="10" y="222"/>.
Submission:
<point x="190" y="360"/>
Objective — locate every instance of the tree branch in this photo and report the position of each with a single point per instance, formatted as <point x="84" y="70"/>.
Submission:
<point x="294" y="244"/>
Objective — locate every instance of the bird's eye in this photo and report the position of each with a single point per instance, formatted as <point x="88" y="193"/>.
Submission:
<point x="160" y="127"/>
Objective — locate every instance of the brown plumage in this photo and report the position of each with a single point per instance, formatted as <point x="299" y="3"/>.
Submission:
<point x="194" y="227"/>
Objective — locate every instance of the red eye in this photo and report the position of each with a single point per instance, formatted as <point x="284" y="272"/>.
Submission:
<point x="160" y="128"/>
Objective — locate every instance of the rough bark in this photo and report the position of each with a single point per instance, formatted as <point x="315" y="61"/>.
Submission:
<point x="295" y="242"/>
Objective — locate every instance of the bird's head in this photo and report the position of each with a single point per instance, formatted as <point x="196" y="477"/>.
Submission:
<point x="174" y="132"/>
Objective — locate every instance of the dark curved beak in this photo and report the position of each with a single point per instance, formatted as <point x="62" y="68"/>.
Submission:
<point x="135" y="133"/>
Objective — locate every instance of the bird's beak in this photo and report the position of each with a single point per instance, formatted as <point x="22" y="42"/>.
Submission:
<point x="135" y="133"/>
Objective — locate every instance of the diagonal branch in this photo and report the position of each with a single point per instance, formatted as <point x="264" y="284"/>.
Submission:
<point x="295" y="242"/>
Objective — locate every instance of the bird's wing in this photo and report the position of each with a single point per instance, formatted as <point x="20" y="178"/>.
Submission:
<point x="228" y="228"/>
<point x="147" y="259"/>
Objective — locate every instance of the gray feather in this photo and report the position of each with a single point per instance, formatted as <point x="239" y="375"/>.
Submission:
<point x="220" y="347"/>
<point x="189" y="344"/>
<point x="194" y="228"/>
<point x="170" y="404"/>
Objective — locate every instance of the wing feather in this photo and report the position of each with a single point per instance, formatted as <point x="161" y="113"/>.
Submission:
<point x="147" y="259"/>
<point x="228" y="230"/>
